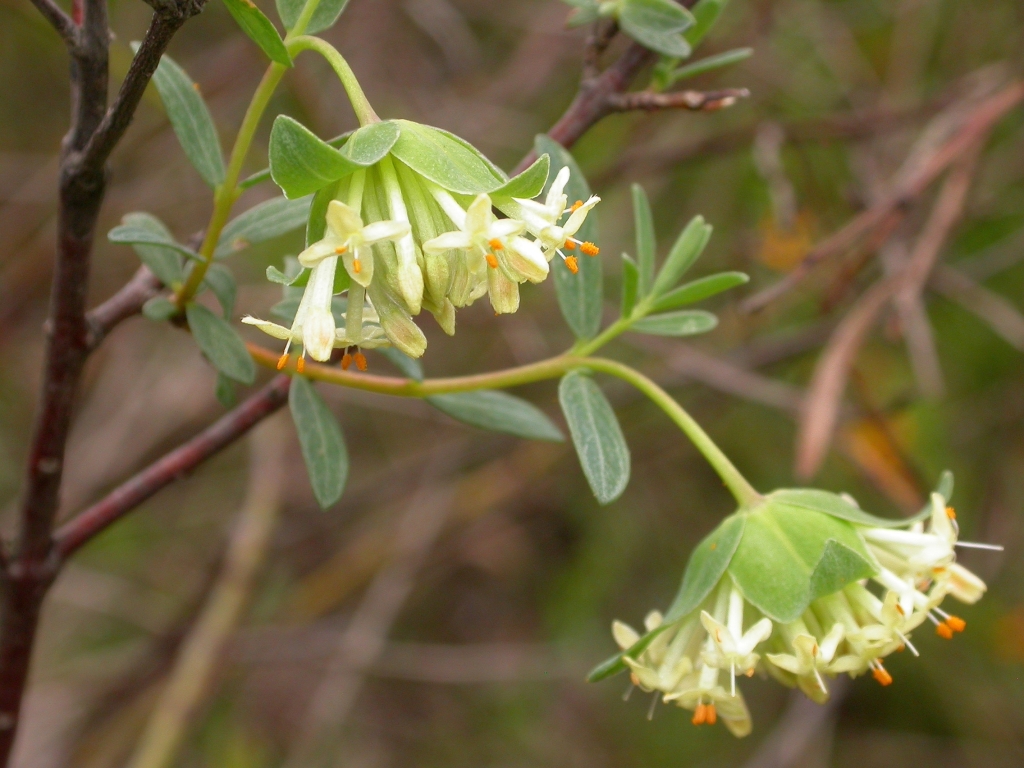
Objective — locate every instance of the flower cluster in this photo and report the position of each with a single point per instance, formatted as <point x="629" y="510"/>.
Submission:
<point x="405" y="243"/>
<point x="693" y="660"/>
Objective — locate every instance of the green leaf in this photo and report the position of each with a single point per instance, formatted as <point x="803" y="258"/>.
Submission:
<point x="839" y="565"/>
<point x="615" y="664"/>
<point x="580" y="296"/>
<point x="446" y="160"/>
<point x="646" y="243"/>
<point x="596" y="434"/>
<point x="698" y="290"/>
<point x="708" y="563"/>
<point x="164" y="262"/>
<point x="630" y="283"/>
<point x="528" y="184"/>
<point x="225" y="391"/>
<point x="321" y="440"/>
<point x="687" y="322"/>
<point x="323" y="17"/>
<point x="190" y="119"/>
<point x="141" y="229"/>
<point x="705" y="14"/>
<point x="369" y="144"/>
<point x="220" y="280"/>
<point x="498" y="412"/>
<point x="657" y="24"/>
<point x="835" y="505"/>
<point x="316" y="224"/>
<point x="718" y="61"/>
<point x="945" y="486"/>
<point x="407" y="365"/>
<point x="275" y="275"/>
<point x="584" y="12"/>
<point x="687" y="248"/>
<point x="220" y="343"/>
<point x="300" y="162"/>
<point x="262" y="222"/>
<point x="259" y="29"/>
<point x="260" y="176"/>
<point x="781" y="547"/>
<point x="159" y="309"/>
<point x="286" y="308"/>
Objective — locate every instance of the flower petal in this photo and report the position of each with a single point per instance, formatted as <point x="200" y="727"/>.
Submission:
<point x="449" y="241"/>
<point x="319" y="251"/>
<point x="385" y="230"/>
<point x="343" y="220"/>
<point x="269" y="328"/>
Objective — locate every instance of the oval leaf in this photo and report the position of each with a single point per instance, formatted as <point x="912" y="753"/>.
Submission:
<point x="220" y="343"/>
<point x="321" y="440"/>
<point x="596" y="434"/>
<point x="190" y="119"/>
<point x="220" y="280"/>
<point x="528" y="184"/>
<point x="499" y="412"/>
<point x="164" y="262"/>
<point x="369" y="144"/>
<point x="259" y="29"/>
<point x="262" y="222"/>
<point x="646" y="244"/>
<point x="709" y="561"/>
<point x="446" y="160"/>
<point x="580" y="296"/>
<point x="698" y="290"/>
<point x="145" y="230"/>
<point x="835" y="505"/>
<point x="687" y="248"/>
<point x="687" y="322"/>
<point x="326" y="13"/>
<point x="301" y="162"/>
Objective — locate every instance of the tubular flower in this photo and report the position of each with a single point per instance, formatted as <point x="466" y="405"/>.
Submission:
<point x="802" y="585"/>
<point x="542" y="219"/>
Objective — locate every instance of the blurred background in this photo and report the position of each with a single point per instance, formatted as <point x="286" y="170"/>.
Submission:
<point x="446" y="610"/>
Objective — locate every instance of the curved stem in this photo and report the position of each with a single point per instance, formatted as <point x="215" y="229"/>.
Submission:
<point x="551" y="368"/>
<point x="360" y="104"/>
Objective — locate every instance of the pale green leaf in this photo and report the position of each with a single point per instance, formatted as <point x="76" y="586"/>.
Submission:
<point x="596" y="433"/>
<point x="707" y="564"/>
<point x="159" y="309"/>
<point x="687" y="322"/>
<point x="630" y="285"/>
<point x="835" y="505"/>
<point x="646" y="242"/>
<point x="710" y="63"/>
<point x="259" y="29"/>
<point x="262" y="222"/>
<point x="498" y="412"/>
<point x="369" y="144"/>
<point x="139" y="232"/>
<point x="700" y="289"/>
<point x="528" y="184"/>
<point x="839" y="565"/>
<point x="705" y="14"/>
<point x="219" y="279"/>
<point x="445" y="159"/>
<point x="221" y="344"/>
<point x="321" y="441"/>
<point x="685" y="251"/>
<point x="326" y="13"/>
<point x="302" y="163"/>
<point x="163" y="260"/>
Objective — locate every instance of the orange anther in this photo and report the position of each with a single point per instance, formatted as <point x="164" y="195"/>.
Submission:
<point x="956" y="623"/>
<point x="576" y="206"/>
<point x="572" y="264"/>
<point x="590" y="249"/>
<point x="360" y="359"/>
<point x="300" y="364"/>
<point x="341" y="249"/>
<point x="749" y="672"/>
<point x="944" y="631"/>
<point x="951" y="513"/>
<point x="346" y="361"/>
<point x="195" y="87"/>
<point x="634" y="679"/>
<point x="569" y="245"/>
<point x="883" y="677"/>
<point x="357" y="266"/>
<point x="282" y="361"/>
<point x="495" y="243"/>
<point x="899" y="610"/>
<point x="492" y="261"/>
<point x="712" y="714"/>
<point x="700" y="715"/>
<point x="901" y="648"/>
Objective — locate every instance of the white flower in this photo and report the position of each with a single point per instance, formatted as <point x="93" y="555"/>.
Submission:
<point x="811" y="658"/>
<point x="542" y="219"/>
<point x="730" y="646"/>
<point x="709" y="701"/>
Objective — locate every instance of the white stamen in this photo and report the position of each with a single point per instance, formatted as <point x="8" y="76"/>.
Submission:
<point x="976" y="545"/>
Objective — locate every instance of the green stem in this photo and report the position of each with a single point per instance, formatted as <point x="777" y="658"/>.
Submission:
<point x="552" y="368"/>
<point x="360" y="104"/>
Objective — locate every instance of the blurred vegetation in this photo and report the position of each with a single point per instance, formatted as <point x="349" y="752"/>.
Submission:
<point x="485" y="662"/>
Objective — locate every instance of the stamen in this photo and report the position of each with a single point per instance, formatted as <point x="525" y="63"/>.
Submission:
<point x="956" y="623"/>
<point x="572" y="264"/>
<point x="880" y="674"/>
<point x="496" y="244"/>
<point x="944" y="631"/>
<point x="821" y="683"/>
<point x="357" y="266"/>
<point x="492" y="261"/>
<point x="629" y="691"/>
<point x="282" y="361"/>
<point x="951" y="513"/>
<point x="700" y="714"/>
<point x="907" y="643"/>
<point x="976" y="545"/>
<point x="590" y="249"/>
<point x="575" y="206"/>
<point x="300" y="364"/>
<point x="654" y="703"/>
<point x="360" y="359"/>
<point x="346" y="361"/>
<point x="570" y="245"/>
<point x="341" y="249"/>
<point x="712" y="714"/>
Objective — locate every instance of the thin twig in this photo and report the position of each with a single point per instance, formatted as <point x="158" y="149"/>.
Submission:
<point x="127" y="302"/>
<point x="697" y="101"/>
<point x="183" y="459"/>
<point x="60" y="21"/>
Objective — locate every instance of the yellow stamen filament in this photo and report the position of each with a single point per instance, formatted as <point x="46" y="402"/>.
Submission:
<point x="700" y="715"/>
<point x="956" y="623"/>
<point x="944" y="631"/>
<point x="300" y="364"/>
<point x="572" y="264"/>
<point x="360" y="359"/>
<point x="569" y="245"/>
<point x="881" y="675"/>
<point x="576" y="206"/>
<point x="492" y="261"/>
<point x="712" y="714"/>
<point x="495" y="244"/>
<point x="341" y="249"/>
<point x="951" y="513"/>
<point x="282" y="361"/>
<point x="357" y="266"/>
<point x="346" y="361"/>
<point x="590" y="249"/>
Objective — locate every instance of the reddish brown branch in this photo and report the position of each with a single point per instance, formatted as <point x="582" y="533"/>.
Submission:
<point x="698" y="101"/>
<point x="176" y="464"/>
<point x="127" y="302"/>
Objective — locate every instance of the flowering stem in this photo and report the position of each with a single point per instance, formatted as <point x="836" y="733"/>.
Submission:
<point x="360" y="104"/>
<point x="551" y="368"/>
